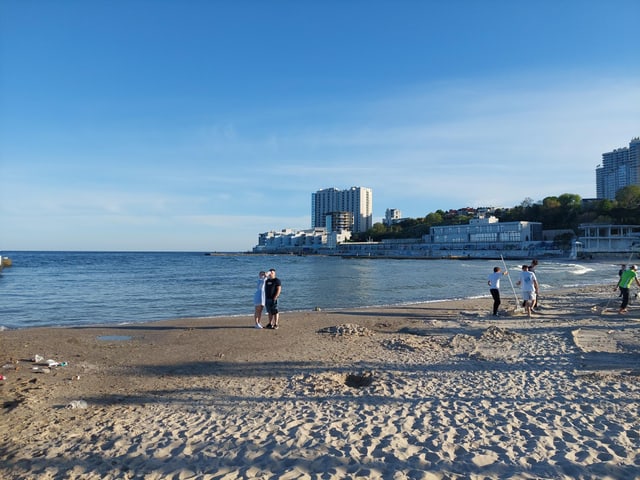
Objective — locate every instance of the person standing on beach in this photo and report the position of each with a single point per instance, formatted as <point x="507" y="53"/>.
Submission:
<point x="529" y="284"/>
<point x="626" y="278"/>
<point x="259" y="298"/>
<point x="623" y="267"/>
<point x="272" y="290"/>
<point x="532" y="269"/>
<point x="494" y="287"/>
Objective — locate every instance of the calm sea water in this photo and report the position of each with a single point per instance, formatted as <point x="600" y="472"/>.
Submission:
<point x="82" y="288"/>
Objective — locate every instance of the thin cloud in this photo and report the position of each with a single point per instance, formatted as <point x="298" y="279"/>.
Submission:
<point x="440" y="146"/>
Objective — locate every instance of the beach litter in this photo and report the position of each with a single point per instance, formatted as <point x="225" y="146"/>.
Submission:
<point x="39" y="360"/>
<point x="77" y="404"/>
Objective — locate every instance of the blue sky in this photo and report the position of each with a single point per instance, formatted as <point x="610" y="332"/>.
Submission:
<point x="195" y="125"/>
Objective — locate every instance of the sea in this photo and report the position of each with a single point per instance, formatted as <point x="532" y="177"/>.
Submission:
<point x="66" y="289"/>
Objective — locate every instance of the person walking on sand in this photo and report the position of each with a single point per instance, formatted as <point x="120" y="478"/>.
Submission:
<point x="494" y="287"/>
<point x="529" y="284"/>
<point x="626" y="278"/>
<point x="259" y="298"/>
<point x="272" y="290"/>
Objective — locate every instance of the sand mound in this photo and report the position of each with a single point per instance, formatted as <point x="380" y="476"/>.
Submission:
<point x="346" y="330"/>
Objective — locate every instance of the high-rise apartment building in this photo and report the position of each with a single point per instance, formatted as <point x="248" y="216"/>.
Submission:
<point x="331" y="202"/>
<point x="619" y="169"/>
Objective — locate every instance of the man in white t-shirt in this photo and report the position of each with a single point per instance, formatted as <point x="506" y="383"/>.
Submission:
<point x="529" y="284"/>
<point x="494" y="287"/>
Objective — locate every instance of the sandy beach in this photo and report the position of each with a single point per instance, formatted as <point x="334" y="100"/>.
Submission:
<point x="429" y="391"/>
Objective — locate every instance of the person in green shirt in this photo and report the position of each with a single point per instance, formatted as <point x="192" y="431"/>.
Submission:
<point x="627" y="277"/>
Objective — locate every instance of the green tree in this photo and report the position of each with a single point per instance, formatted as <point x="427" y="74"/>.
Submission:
<point x="629" y="196"/>
<point x="551" y="202"/>
<point x="434" y="218"/>
<point x="378" y="228"/>
<point x="570" y="201"/>
<point x="566" y="211"/>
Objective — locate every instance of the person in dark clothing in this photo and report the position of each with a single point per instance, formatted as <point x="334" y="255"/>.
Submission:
<point x="272" y="290"/>
<point x="626" y="279"/>
<point x="623" y="267"/>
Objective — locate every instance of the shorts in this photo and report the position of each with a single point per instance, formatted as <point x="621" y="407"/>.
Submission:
<point x="529" y="296"/>
<point x="271" y="306"/>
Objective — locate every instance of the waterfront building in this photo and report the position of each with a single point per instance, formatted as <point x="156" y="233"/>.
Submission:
<point x="601" y="239"/>
<point x="299" y="241"/>
<point x="334" y="204"/>
<point x="485" y="231"/>
<point x="620" y="168"/>
<point x="482" y="237"/>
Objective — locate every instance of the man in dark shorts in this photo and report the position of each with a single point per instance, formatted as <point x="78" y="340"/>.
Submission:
<point x="272" y="289"/>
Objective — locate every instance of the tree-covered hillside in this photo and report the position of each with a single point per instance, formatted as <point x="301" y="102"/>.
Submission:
<point x="565" y="211"/>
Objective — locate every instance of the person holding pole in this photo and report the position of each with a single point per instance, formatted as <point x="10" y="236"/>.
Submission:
<point x="515" y="295"/>
<point x="627" y="277"/>
<point x="494" y="287"/>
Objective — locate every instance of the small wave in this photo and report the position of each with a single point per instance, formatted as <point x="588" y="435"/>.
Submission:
<point x="581" y="270"/>
<point x="574" y="268"/>
<point x="586" y="284"/>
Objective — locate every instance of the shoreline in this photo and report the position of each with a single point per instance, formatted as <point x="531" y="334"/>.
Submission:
<point x="417" y="391"/>
<point x="140" y="288"/>
<point x="507" y="296"/>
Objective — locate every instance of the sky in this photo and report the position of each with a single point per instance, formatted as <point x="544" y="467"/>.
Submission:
<point x="192" y="125"/>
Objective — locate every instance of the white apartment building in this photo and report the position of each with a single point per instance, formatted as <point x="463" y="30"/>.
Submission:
<point x="391" y="216"/>
<point x="333" y="203"/>
<point x="299" y="241"/>
<point x="619" y="168"/>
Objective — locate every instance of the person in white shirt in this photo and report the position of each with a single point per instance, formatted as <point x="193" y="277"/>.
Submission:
<point x="529" y="284"/>
<point x="494" y="287"/>
<point x="259" y="298"/>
